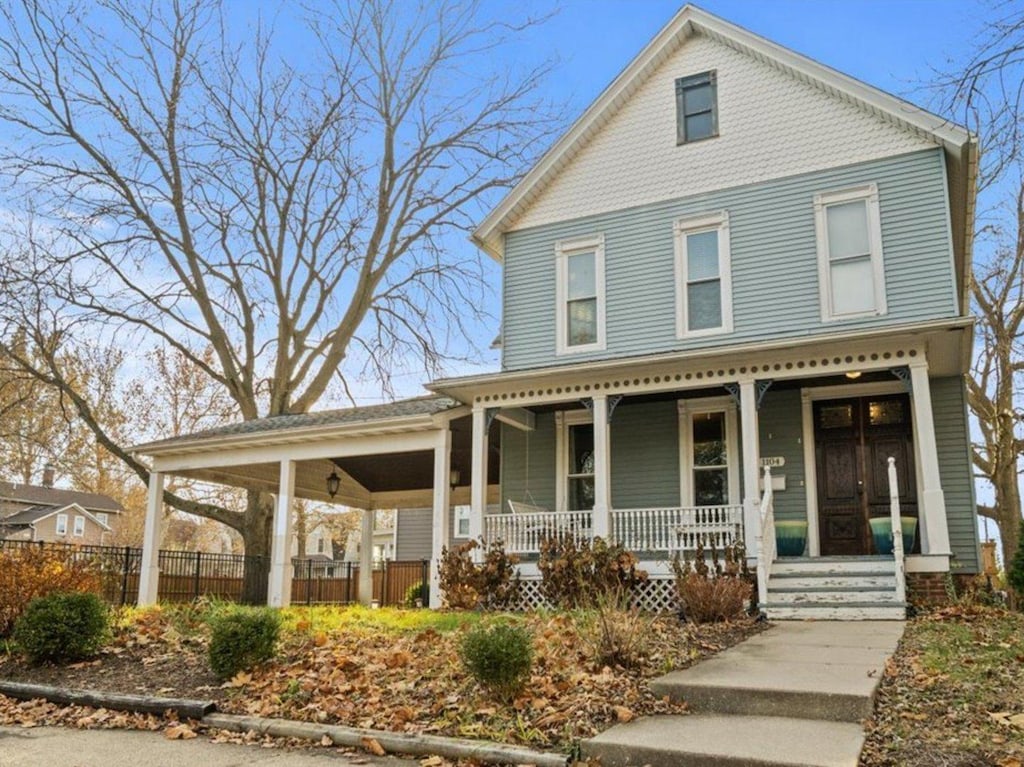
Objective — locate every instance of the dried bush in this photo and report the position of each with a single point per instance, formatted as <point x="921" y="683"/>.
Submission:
<point x="577" y="574"/>
<point x="499" y="657"/>
<point x="30" y="572"/>
<point x="492" y="584"/>
<point x="614" y="633"/>
<point x="62" y="626"/>
<point x="719" y="592"/>
<point x="242" y="637"/>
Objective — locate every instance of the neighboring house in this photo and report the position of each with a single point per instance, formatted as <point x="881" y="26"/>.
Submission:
<point x="384" y="540"/>
<point x="46" y="513"/>
<point x="735" y="259"/>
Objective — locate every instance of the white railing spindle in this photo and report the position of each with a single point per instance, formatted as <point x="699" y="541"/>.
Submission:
<point x="897" y="532"/>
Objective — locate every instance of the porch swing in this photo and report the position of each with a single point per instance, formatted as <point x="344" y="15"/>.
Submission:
<point x="529" y="504"/>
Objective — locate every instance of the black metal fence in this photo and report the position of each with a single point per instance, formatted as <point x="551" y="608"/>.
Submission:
<point x="187" y="575"/>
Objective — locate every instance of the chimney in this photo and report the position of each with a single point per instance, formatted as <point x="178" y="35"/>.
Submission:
<point x="48" y="473"/>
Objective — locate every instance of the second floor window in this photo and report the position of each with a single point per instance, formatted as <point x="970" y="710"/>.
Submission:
<point x="79" y="526"/>
<point x="703" y="275"/>
<point x="580" y="278"/>
<point x="62" y="524"/>
<point x="851" y="273"/>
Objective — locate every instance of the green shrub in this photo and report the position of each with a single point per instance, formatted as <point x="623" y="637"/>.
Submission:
<point x="418" y="590"/>
<point x="242" y="637"/>
<point x="62" y="626"/>
<point x="498" y="657"/>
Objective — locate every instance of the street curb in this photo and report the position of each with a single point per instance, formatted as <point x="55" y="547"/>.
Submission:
<point x="142" y="704"/>
<point x="485" y="751"/>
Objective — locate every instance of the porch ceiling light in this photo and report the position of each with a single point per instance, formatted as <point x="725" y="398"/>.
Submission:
<point x="333" y="484"/>
<point x="853" y="374"/>
<point x="453" y="477"/>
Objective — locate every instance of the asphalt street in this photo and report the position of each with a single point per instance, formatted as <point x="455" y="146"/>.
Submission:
<point x="61" y="747"/>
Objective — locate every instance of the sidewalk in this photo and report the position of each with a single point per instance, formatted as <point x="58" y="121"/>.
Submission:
<point x="64" y="747"/>
<point x="793" y="695"/>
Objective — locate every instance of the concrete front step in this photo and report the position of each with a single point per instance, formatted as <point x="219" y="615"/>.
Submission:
<point x="859" y="580"/>
<point x="834" y="565"/>
<point x="834" y="595"/>
<point x="823" y="611"/>
<point x="707" y="740"/>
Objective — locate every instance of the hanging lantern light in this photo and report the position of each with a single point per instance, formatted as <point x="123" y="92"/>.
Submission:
<point x="333" y="484"/>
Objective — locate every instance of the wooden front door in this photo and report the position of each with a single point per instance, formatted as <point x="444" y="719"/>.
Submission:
<point x="853" y="441"/>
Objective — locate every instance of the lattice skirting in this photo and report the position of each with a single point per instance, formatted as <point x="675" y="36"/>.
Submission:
<point x="656" y="595"/>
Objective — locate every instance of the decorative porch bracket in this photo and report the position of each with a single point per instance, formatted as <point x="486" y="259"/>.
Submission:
<point x="613" y="402"/>
<point x="762" y="389"/>
<point x="903" y="374"/>
<point x="489" y="415"/>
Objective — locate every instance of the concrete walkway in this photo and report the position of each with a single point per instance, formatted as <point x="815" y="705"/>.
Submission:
<point x="793" y="695"/>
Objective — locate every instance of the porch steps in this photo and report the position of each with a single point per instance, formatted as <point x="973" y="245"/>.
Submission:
<point x="834" y="588"/>
<point x="792" y="696"/>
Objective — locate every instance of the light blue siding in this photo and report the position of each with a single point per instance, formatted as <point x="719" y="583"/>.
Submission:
<point x="780" y="422"/>
<point x="949" y="409"/>
<point x="774" y="263"/>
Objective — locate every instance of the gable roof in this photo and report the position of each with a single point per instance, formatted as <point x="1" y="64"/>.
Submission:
<point x="37" y="495"/>
<point x="959" y="146"/>
<point x="34" y="514"/>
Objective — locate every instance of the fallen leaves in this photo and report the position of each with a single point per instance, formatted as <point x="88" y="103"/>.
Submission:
<point x="179" y="732"/>
<point x="373" y="746"/>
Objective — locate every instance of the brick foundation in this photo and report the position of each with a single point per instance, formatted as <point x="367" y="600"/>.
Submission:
<point x="930" y="588"/>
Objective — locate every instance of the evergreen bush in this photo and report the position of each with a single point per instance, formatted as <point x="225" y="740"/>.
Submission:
<point x="498" y="657"/>
<point x="62" y="626"/>
<point x="242" y="637"/>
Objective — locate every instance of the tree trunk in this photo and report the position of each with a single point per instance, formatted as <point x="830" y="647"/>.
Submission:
<point x="1007" y="512"/>
<point x="256" y="537"/>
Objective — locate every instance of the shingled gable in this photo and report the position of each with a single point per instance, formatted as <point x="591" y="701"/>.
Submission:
<point x="960" y="149"/>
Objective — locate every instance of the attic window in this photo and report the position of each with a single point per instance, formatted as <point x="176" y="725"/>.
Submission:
<point x="696" y="107"/>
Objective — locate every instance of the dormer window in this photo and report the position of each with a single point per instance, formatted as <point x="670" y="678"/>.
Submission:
<point x="696" y="107"/>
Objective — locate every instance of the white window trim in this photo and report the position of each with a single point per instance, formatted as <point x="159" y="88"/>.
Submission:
<point x="868" y="193"/>
<point x="564" y="249"/>
<point x="61" y="525"/>
<point x="563" y="420"/>
<point x="687" y="409"/>
<point x="103" y="518"/>
<point x="693" y="225"/>
<point x="79" y="529"/>
<point x="462" y="512"/>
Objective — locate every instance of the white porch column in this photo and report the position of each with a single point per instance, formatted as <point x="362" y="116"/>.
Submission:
<point x="149" y="573"/>
<point x="751" y="451"/>
<point x="934" y="526"/>
<point x="279" y="588"/>
<point x="478" y="480"/>
<point x="366" y="558"/>
<point x="442" y="509"/>
<point x="602" y="518"/>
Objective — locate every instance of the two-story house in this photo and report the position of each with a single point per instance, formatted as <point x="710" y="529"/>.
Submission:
<point x="47" y="513"/>
<point x="736" y="259"/>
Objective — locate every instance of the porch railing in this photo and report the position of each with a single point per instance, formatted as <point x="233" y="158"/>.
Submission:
<point x="766" y="546"/>
<point x="522" y="533"/>
<point x="675" y="530"/>
<point x="662" y="531"/>
<point x="897" y="532"/>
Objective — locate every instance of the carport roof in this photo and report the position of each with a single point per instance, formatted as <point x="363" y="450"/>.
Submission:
<point x="369" y="415"/>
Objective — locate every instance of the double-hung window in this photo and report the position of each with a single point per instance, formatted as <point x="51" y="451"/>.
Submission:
<point x="79" y="526"/>
<point x="851" y="273"/>
<point x="703" y="275"/>
<point x="575" y="479"/>
<point x="462" y="521"/>
<point x="580" y="288"/>
<point x="708" y="435"/>
<point x="696" y="107"/>
<point x="61" y="527"/>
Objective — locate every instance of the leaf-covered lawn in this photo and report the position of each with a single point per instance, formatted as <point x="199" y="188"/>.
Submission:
<point x="391" y="669"/>
<point x="953" y="694"/>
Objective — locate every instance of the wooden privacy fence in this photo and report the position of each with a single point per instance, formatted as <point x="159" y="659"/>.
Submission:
<point x="187" y="575"/>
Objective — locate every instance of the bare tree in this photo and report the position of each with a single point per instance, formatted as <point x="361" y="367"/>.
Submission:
<point x="288" y="207"/>
<point x="987" y="93"/>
